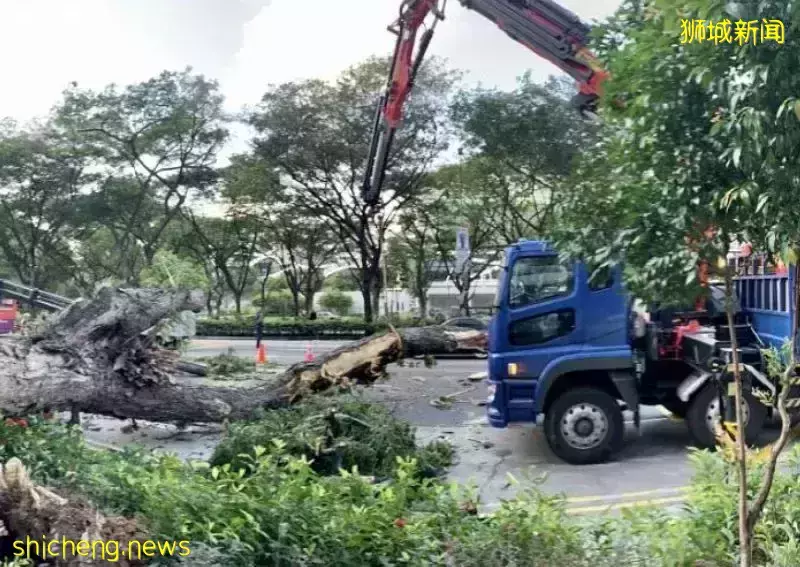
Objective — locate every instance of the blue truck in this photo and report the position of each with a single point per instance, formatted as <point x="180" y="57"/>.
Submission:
<point x="567" y="348"/>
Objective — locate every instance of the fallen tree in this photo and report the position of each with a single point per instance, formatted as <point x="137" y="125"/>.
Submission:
<point x="96" y="357"/>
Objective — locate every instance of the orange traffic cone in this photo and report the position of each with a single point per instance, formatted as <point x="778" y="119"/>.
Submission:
<point x="261" y="354"/>
<point x="309" y="356"/>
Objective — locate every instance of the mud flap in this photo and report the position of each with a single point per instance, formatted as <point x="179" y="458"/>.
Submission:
<point x="626" y="386"/>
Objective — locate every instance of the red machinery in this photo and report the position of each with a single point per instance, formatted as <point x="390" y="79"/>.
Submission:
<point x="544" y="27"/>
<point x="8" y="315"/>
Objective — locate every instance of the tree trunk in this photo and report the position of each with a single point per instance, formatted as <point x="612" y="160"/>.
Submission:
<point x="237" y="298"/>
<point x="366" y="296"/>
<point x="745" y="540"/>
<point x="423" y="304"/>
<point x="31" y="511"/>
<point x="96" y="357"/>
<point x="209" y="305"/>
<point x="296" y="302"/>
<point x="308" y="296"/>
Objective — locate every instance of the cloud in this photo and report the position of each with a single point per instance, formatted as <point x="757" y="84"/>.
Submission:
<point x="246" y="44"/>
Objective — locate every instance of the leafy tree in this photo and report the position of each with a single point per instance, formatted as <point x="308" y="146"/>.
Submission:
<point x="302" y="245"/>
<point x="465" y="200"/>
<point x="171" y="271"/>
<point x="414" y="247"/>
<point x="529" y="138"/>
<point x="230" y="243"/>
<point x="317" y="136"/>
<point x="41" y="176"/>
<point x="336" y="301"/>
<point x="110" y="227"/>
<point x="161" y="136"/>
<point x="757" y="125"/>
<point x="342" y="281"/>
<point x="689" y="164"/>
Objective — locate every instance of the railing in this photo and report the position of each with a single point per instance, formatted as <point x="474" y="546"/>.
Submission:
<point x="33" y="297"/>
<point x="763" y="291"/>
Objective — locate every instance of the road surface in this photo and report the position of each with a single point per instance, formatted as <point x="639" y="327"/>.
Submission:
<point x="278" y="351"/>
<point x="652" y="469"/>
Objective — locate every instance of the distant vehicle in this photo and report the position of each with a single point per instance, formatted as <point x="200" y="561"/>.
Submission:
<point x="326" y="315"/>
<point x="472" y="323"/>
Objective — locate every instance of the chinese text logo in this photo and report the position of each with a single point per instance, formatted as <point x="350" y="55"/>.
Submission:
<point x="725" y="31"/>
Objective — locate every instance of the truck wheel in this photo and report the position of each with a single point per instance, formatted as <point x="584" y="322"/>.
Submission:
<point x="703" y="415"/>
<point x="584" y="426"/>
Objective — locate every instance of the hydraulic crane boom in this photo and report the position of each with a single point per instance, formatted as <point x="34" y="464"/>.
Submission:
<point x="544" y="27"/>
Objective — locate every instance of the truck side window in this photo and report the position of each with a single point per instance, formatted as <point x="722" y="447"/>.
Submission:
<point x="602" y="279"/>
<point x="542" y="328"/>
<point x="539" y="278"/>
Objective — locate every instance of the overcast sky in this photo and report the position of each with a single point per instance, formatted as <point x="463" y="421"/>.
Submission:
<point x="245" y="44"/>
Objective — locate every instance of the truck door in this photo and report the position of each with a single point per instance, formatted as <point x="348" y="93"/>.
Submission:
<point x="543" y="319"/>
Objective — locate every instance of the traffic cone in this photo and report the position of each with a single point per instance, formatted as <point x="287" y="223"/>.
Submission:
<point x="261" y="354"/>
<point x="309" y="356"/>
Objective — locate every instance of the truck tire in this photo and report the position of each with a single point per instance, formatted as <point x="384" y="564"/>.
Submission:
<point x="704" y="411"/>
<point x="584" y="426"/>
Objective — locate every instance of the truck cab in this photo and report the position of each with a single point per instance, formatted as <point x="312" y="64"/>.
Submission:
<point x="567" y="348"/>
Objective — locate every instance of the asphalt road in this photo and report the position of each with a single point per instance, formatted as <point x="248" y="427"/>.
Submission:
<point x="652" y="469"/>
<point x="278" y="351"/>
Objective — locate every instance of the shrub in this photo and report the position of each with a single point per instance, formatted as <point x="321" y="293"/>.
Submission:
<point x="278" y="303"/>
<point x="286" y="327"/>
<point x="227" y="364"/>
<point x="336" y="301"/>
<point x="279" y="511"/>
<point x="333" y="433"/>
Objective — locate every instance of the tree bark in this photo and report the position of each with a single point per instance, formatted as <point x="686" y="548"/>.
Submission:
<point x="94" y="358"/>
<point x="48" y="519"/>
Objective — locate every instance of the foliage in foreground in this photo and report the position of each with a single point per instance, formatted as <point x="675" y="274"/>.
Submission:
<point x="281" y="512"/>
<point x="335" y="433"/>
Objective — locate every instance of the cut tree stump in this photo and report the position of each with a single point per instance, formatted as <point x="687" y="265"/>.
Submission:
<point x="95" y="358"/>
<point x="31" y="511"/>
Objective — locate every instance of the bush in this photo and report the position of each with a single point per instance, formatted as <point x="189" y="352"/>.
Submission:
<point x="296" y="327"/>
<point x="336" y="301"/>
<point x="281" y="512"/>
<point x="278" y="303"/>
<point x="286" y="327"/>
<point x="228" y="365"/>
<point x="334" y="433"/>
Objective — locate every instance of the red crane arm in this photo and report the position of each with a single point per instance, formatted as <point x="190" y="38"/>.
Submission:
<point x="544" y="27"/>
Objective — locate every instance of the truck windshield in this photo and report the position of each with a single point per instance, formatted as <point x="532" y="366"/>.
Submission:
<point x="537" y="279"/>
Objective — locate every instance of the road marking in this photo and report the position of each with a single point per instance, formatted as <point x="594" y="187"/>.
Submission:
<point x="621" y="505"/>
<point x="626" y="495"/>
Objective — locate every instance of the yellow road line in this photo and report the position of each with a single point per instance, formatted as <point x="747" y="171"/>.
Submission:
<point x="620" y="505"/>
<point x="626" y="495"/>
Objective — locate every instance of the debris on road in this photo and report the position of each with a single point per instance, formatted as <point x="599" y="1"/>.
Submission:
<point x="446" y="402"/>
<point x="478" y="376"/>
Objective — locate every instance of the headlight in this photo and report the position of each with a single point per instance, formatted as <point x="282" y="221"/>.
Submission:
<point x="492" y="390"/>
